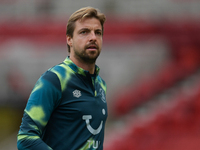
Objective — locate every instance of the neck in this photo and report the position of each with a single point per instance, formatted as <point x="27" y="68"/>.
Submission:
<point x="84" y="65"/>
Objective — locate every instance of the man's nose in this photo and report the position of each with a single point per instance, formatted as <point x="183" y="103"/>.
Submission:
<point x="93" y="36"/>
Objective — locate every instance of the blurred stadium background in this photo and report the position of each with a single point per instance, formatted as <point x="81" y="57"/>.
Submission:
<point x="150" y="61"/>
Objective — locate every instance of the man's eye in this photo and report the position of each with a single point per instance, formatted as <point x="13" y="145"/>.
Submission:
<point x="83" y="32"/>
<point x="98" y="33"/>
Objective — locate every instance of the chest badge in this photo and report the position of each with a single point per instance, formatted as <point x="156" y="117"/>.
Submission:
<point x="76" y="93"/>
<point x="102" y="93"/>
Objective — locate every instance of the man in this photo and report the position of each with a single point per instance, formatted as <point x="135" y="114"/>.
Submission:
<point x="67" y="108"/>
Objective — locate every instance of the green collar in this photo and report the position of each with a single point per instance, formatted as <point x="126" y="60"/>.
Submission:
<point x="79" y="70"/>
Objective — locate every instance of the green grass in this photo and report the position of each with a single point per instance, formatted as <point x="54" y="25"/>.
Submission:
<point x="10" y="120"/>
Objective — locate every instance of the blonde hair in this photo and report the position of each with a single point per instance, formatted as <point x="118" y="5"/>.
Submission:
<point x="86" y="12"/>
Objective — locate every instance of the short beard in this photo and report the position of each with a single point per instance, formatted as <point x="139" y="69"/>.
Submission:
<point x="83" y="57"/>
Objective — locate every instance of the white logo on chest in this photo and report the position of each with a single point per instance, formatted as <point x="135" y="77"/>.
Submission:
<point x="89" y="127"/>
<point x="76" y="93"/>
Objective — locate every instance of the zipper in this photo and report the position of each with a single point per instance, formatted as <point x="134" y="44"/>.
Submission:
<point x="92" y="81"/>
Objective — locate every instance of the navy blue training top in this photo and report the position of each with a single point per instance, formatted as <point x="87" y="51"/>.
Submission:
<point x="66" y="110"/>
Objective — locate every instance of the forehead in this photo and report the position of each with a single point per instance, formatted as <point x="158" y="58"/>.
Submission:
<point x="90" y="23"/>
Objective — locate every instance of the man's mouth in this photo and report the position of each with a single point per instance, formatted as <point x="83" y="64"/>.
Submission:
<point x="92" y="47"/>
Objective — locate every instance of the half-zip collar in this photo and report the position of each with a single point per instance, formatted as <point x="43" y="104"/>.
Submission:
<point x="79" y="70"/>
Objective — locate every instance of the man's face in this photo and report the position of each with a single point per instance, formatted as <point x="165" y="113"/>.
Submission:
<point x="86" y="43"/>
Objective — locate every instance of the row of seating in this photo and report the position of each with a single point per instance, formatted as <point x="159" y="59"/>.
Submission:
<point x="173" y="31"/>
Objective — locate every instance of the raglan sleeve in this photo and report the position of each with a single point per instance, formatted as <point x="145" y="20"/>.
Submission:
<point x="43" y="100"/>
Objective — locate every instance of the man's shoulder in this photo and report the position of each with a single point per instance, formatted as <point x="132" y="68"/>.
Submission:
<point x="100" y="79"/>
<point x="61" y="69"/>
<point x="55" y="74"/>
<point x="63" y="72"/>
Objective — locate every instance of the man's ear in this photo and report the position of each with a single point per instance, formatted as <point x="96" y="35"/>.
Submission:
<point x="69" y="40"/>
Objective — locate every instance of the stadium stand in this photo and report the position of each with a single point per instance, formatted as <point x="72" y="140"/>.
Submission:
<point x="185" y="61"/>
<point x="174" y="125"/>
<point x="171" y="128"/>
